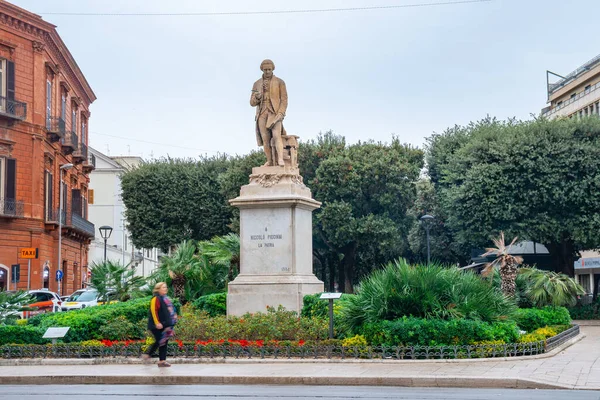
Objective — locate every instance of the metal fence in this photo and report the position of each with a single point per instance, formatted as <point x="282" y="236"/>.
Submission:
<point x="316" y="352"/>
<point x="13" y="108"/>
<point x="555" y="341"/>
<point x="11" y="208"/>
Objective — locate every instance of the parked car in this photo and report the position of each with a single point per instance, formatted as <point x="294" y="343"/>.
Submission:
<point x="46" y="301"/>
<point x="83" y="298"/>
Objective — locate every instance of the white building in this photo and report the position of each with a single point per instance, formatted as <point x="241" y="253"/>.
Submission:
<point x="106" y="208"/>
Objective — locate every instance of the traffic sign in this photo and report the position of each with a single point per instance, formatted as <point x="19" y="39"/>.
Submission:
<point x="59" y="275"/>
<point x="29" y="252"/>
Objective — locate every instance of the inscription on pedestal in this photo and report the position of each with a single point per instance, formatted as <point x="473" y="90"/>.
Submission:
<point x="268" y="240"/>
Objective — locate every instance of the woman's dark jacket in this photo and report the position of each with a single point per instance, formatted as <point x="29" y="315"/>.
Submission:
<point x="159" y="313"/>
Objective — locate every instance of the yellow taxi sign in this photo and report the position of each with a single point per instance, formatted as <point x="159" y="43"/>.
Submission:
<point x="29" y="252"/>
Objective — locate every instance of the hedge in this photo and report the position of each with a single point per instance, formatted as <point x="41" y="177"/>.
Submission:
<point x="530" y="319"/>
<point x="410" y="331"/>
<point x="214" y="304"/>
<point x="19" y="334"/>
<point x="86" y="324"/>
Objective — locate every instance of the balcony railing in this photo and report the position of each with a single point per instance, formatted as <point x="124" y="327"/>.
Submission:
<point x="81" y="224"/>
<point x="52" y="216"/>
<point x="81" y="153"/>
<point x="90" y="164"/>
<point x="69" y="142"/>
<point x="56" y="127"/>
<point x="12" y="108"/>
<point x="575" y="103"/>
<point x="11" y="208"/>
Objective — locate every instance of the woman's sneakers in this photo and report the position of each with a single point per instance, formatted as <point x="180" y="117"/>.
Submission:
<point x="163" y="364"/>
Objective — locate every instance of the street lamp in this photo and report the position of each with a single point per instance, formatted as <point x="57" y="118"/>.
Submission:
<point x="105" y="232"/>
<point x="64" y="167"/>
<point x="427" y="220"/>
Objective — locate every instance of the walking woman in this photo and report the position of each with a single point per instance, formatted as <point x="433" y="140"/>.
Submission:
<point x="161" y="319"/>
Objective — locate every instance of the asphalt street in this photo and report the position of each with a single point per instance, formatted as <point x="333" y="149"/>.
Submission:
<point x="226" y="392"/>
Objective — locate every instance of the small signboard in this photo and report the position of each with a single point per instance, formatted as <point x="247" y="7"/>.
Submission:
<point x="59" y="275"/>
<point x="56" y="333"/>
<point x="29" y="252"/>
<point x="326" y="296"/>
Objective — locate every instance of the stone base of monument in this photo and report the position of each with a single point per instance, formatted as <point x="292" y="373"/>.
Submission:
<point x="275" y="243"/>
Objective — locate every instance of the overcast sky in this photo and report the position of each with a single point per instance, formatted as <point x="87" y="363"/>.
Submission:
<point x="183" y="82"/>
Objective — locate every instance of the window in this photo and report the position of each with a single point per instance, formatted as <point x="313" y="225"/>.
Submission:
<point x="48" y="103"/>
<point x="83" y="131"/>
<point x="74" y="119"/>
<point x="8" y="185"/>
<point x="573" y="95"/>
<point x="63" y="106"/>
<point x="584" y="281"/>
<point x="587" y="88"/>
<point x="48" y="193"/>
<point x="7" y="84"/>
<point x="76" y="203"/>
<point x="559" y="104"/>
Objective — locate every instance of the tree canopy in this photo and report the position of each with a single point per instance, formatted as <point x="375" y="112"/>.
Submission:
<point x="538" y="180"/>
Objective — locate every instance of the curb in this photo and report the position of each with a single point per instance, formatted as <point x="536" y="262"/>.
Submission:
<point x="404" y="381"/>
<point x="136" y="361"/>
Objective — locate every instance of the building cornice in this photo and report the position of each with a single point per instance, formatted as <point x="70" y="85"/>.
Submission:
<point x="44" y="36"/>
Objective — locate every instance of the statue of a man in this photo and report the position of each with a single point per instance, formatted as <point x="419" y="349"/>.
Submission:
<point x="269" y="96"/>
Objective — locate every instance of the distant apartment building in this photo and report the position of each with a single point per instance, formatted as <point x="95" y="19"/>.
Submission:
<point x="576" y="94"/>
<point x="107" y="209"/>
<point x="44" y="123"/>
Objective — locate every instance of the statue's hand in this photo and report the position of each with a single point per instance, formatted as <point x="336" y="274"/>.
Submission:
<point x="258" y="95"/>
<point x="279" y="117"/>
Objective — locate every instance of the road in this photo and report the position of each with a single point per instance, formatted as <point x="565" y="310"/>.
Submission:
<point x="226" y="392"/>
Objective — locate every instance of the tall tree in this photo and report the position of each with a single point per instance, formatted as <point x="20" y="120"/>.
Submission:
<point x="366" y="190"/>
<point x="538" y="180"/>
<point x="170" y="200"/>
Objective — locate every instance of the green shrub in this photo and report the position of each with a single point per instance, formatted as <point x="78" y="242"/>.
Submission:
<point x="425" y="291"/>
<point x="585" y="311"/>
<point x="86" y="324"/>
<point x="273" y="325"/>
<point x="214" y="304"/>
<point x="21" y="334"/>
<point x="530" y="319"/>
<point x="410" y="331"/>
<point x="121" y="329"/>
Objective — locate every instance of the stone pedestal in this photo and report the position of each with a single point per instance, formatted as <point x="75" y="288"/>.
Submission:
<point x="276" y="243"/>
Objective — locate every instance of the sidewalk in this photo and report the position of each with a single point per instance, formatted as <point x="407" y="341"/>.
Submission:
<point x="576" y="367"/>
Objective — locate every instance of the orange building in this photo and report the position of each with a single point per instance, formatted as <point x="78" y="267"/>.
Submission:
<point x="44" y="120"/>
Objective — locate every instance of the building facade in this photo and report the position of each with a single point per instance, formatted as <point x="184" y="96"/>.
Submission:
<point x="44" y="122"/>
<point x="107" y="209"/>
<point x="576" y="94"/>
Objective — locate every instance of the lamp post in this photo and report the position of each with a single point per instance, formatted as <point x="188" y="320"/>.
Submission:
<point x="64" y="167"/>
<point x="426" y="220"/>
<point x="105" y="232"/>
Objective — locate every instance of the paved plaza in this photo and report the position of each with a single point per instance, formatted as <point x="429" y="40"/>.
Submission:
<point x="576" y="367"/>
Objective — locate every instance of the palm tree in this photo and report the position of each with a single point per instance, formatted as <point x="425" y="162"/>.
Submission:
<point x="111" y="276"/>
<point x="550" y="288"/>
<point x="507" y="264"/>
<point x="180" y="269"/>
<point x="12" y="303"/>
<point x="223" y="251"/>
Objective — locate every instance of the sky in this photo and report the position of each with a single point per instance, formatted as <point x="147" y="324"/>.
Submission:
<point x="180" y="86"/>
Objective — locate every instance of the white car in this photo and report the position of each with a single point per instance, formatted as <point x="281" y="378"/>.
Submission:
<point x="81" y="299"/>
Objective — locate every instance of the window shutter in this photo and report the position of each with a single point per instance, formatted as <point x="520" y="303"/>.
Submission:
<point x="48" y="193"/>
<point x="11" y="179"/>
<point x="76" y="201"/>
<point x="90" y="196"/>
<point x="10" y="80"/>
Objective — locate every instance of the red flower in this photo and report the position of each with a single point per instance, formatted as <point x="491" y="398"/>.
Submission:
<point x="301" y="342"/>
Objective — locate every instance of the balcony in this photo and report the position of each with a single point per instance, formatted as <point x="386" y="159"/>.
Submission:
<point x="55" y="129"/>
<point x="52" y="216"/>
<point x="12" y="109"/>
<point x="90" y="164"/>
<point x="11" y="208"/>
<point x="81" y="225"/>
<point x="80" y="154"/>
<point x="574" y="104"/>
<point x="69" y="143"/>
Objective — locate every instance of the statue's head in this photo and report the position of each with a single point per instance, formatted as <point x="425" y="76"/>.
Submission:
<point x="267" y="67"/>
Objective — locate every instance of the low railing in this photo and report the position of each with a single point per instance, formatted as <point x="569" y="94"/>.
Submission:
<point x="56" y="125"/>
<point x="81" y="224"/>
<point x="91" y="160"/>
<point x="555" y="341"/>
<point x="11" y="208"/>
<point x="13" y="108"/>
<point x="314" y="352"/>
<point x="70" y="139"/>
<point x="81" y="152"/>
<point x="52" y="216"/>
